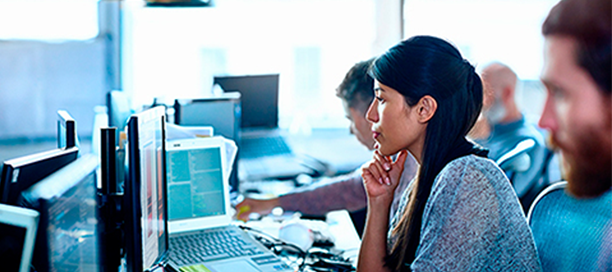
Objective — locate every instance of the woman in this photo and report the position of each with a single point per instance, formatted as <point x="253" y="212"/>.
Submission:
<point x="460" y="213"/>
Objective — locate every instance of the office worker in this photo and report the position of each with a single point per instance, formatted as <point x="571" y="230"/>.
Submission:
<point x="506" y="126"/>
<point x="578" y="114"/>
<point x="460" y="213"/>
<point x="346" y="191"/>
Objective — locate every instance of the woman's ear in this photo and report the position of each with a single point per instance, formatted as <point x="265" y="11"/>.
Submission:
<point x="426" y="108"/>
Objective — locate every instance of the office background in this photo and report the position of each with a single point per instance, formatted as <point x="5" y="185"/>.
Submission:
<point x="66" y="54"/>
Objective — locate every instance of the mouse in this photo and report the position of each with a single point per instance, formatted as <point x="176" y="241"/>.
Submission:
<point x="297" y="234"/>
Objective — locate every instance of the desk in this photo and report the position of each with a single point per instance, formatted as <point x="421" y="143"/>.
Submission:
<point x="347" y="241"/>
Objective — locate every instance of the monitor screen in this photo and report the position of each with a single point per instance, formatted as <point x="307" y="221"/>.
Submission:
<point x="12" y="241"/>
<point x="146" y="209"/>
<point x="67" y="238"/>
<point x="259" y="98"/>
<point x="195" y="183"/>
<point x="66" y="130"/>
<point x="19" y="174"/>
<point x="17" y="233"/>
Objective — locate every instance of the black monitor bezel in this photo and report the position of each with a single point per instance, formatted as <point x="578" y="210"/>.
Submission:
<point x="64" y="119"/>
<point x="132" y="203"/>
<point x="37" y="167"/>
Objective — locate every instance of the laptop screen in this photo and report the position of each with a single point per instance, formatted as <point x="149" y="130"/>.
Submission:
<point x="259" y="98"/>
<point x="198" y="191"/>
<point x="195" y="183"/>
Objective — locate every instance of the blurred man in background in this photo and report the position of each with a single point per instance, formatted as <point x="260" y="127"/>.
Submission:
<point x="503" y="126"/>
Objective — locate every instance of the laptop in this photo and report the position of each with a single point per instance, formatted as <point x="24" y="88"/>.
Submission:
<point x="263" y="151"/>
<point x="17" y="234"/>
<point x="201" y="235"/>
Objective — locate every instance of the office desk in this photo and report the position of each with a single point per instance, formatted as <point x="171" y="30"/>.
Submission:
<point x="340" y="226"/>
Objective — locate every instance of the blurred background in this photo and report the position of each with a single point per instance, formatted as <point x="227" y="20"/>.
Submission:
<point x="67" y="54"/>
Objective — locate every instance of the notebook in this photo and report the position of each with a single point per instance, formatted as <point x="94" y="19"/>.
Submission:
<point x="199" y="213"/>
<point x="17" y="234"/>
<point x="263" y="150"/>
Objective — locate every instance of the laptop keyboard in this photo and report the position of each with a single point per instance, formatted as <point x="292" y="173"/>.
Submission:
<point x="209" y="245"/>
<point x="263" y="146"/>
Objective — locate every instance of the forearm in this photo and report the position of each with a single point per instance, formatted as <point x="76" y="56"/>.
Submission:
<point x="343" y="193"/>
<point x="373" y="249"/>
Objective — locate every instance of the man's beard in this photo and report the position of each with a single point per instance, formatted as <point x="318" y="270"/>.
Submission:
<point x="588" y="169"/>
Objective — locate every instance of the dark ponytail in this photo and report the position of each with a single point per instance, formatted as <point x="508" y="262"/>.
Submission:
<point x="420" y="66"/>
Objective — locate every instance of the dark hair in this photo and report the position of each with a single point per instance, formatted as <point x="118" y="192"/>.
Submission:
<point x="419" y="66"/>
<point x="590" y="23"/>
<point x="357" y="87"/>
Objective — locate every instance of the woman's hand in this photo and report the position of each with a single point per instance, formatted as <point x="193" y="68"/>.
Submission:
<point x="382" y="175"/>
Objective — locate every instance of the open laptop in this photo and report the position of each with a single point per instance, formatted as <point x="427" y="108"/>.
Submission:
<point x="199" y="213"/>
<point x="263" y="151"/>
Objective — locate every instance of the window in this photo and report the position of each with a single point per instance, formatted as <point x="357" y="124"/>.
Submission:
<point x="48" y="20"/>
<point x="173" y="53"/>
<point x="485" y="30"/>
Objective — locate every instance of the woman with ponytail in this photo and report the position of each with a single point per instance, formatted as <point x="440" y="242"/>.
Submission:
<point x="460" y="213"/>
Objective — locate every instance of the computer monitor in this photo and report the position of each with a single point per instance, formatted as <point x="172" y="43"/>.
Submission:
<point x="17" y="233"/>
<point x="19" y="174"/>
<point x="259" y="98"/>
<point x="222" y="113"/>
<point x="145" y="190"/>
<point x="66" y="130"/>
<point x="67" y="236"/>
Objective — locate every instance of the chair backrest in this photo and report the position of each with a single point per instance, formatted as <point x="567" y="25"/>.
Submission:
<point x="572" y="234"/>
<point x="525" y="166"/>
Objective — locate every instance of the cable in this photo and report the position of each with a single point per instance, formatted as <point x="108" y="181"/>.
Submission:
<point x="155" y="267"/>
<point x="321" y="259"/>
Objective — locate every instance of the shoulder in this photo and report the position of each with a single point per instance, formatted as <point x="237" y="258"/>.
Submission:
<point x="469" y="172"/>
<point x="468" y="165"/>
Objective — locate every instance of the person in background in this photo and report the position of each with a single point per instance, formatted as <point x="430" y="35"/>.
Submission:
<point x="460" y="213"/>
<point x="578" y="114"/>
<point x="342" y="192"/>
<point x="506" y="126"/>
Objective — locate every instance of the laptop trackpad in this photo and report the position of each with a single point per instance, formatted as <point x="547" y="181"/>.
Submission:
<point x="235" y="265"/>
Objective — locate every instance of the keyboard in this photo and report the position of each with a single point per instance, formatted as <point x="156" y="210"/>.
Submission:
<point x="263" y="146"/>
<point x="210" y="245"/>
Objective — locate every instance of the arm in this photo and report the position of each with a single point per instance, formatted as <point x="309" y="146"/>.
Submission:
<point x="380" y="182"/>
<point x="343" y="192"/>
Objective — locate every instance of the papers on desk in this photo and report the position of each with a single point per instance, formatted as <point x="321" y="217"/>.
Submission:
<point x="175" y="132"/>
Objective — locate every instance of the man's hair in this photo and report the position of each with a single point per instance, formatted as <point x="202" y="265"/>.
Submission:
<point x="589" y="23"/>
<point x="357" y="87"/>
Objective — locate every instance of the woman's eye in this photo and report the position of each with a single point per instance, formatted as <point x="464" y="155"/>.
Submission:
<point x="379" y="98"/>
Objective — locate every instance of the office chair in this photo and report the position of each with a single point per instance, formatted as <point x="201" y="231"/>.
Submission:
<point x="572" y="234"/>
<point x="517" y="158"/>
<point x="517" y="164"/>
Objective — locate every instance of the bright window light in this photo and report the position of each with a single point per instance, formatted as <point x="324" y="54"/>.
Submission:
<point x="485" y="30"/>
<point x="48" y="20"/>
